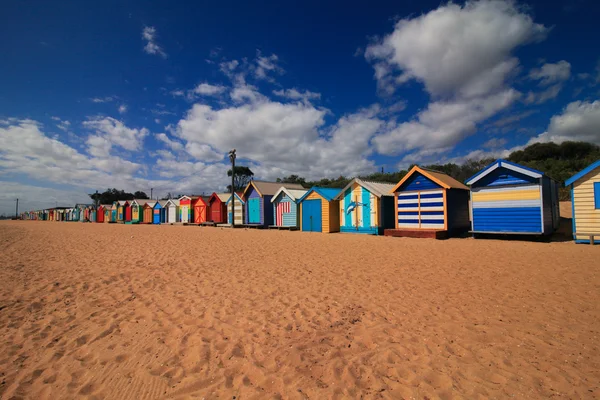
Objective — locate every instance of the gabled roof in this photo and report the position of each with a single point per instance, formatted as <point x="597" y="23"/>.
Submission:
<point x="175" y="202"/>
<point x="106" y="205"/>
<point x="223" y="196"/>
<point x="150" y="204"/>
<point x="123" y="202"/>
<point x="238" y="196"/>
<point x="534" y="173"/>
<point x="270" y="188"/>
<point x="445" y="181"/>
<point x="140" y="202"/>
<point x="187" y="197"/>
<point x="157" y="203"/>
<point x="377" y="188"/>
<point x="293" y="194"/>
<point x="328" y="194"/>
<point x="581" y="174"/>
<point x="163" y="202"/>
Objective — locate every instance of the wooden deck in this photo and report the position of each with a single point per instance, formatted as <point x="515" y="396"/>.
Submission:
<point x="417" y="233"/>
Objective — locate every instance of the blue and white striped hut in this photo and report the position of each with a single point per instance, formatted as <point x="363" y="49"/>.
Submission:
<point x="430" y="204"/>
<point x="285" y="207"/>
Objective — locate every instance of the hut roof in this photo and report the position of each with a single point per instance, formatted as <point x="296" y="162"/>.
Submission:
<point x="581" y="174"/>
<point x="150" y="204"/>
<point x="270" y="188"/>
<point x="293" y="194"/>
<point x="223" y="196"/>
<point x="175" y="202"/>
<point x="438" y="177"/>
<point x="377" y="188"/>
<point x="534" y="173"/>
<point x="328" y="194"/>
<point x="123" y="202"/>
<point x="238" y="195"/>
<point x="141" y="202"/>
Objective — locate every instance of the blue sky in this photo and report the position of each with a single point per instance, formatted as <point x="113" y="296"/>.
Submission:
<point x="137" y="95"/>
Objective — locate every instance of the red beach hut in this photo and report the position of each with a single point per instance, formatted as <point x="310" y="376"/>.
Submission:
<point x="200" y="207"/>
<point x="217" y="207"/>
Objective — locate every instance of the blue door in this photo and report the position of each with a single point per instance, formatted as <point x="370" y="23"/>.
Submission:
<point x="311" y="216"/>
<point x="254" y="211"/>
<point x="156" y="219"/>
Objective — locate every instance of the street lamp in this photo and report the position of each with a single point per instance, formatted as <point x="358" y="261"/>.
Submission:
<point x="232" y="159"/>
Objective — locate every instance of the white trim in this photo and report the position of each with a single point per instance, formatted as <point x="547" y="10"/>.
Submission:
<point x="521" y="170"/>
<point x="487" y="189"/>
<point x="542" y="204"/>
<point x="407" y="225"/>
<point x="478" y="177"/>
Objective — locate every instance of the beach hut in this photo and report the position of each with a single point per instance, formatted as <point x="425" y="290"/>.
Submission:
<point x="367" y="207"/>
<point x="156" y="211"/>
<point x="185" y="209"/>
<point x="585" y="204"/>
<point x="114" y="211"/>
<point x="258" y="195"/>
<point x="319" y="210"/>
<point x="100" y="213"/>
<point x="137" y="210"/>
<point x="285" y="207"/>
<point x="92" y="214"/>
<point x="430" y="204"/>
<point x="509" y="198"/>
<point x="217" y="208"/>
<point x="199" y="209"/>
<point x="170" y="211"/>
<point x="239" y="206"/>
<point x="148" y="213"/>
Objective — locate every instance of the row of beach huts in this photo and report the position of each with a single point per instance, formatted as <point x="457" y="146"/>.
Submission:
<point x="503" y="198"/>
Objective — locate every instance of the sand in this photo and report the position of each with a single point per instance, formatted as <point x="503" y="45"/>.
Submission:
<point x="154" y="312"/>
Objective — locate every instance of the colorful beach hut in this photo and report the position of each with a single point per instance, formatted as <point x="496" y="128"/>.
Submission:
<point x="199" y="209"/>
<point x="122" y="206"/>
<point x="101" y="212"/>
<point x="156" y="212"/>
<point x="148" y="213"/>
<point x="171" y="211"/>
<point x="217" y="208"/>
<point x="367" y="207"/>
<point x="239" y="206"/>
<point x="509" y="198"/>
<point x="285" y="207"/>
<point x="114" y="211"/>
<point x="319" y="210"/>
<point x="429" y="203"/>
<point x="185" y="209"/>
<point x="585" y="204"/>
<point x="258" y="195"/>
<point x="137" y="210"/>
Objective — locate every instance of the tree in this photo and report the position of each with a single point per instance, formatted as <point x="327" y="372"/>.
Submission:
<point x="242" y="177"/>
<point x="140" y="195"/>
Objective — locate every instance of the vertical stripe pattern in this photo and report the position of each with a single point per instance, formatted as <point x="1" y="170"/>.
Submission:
<point x="421" y="210"/>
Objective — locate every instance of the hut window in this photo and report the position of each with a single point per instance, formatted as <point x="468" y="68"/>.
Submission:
<point x="596" y="195"/>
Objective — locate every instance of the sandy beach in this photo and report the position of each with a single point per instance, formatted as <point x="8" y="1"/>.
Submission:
<point x="152" y="312"/>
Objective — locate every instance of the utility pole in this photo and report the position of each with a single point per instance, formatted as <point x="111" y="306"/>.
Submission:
<point x="17" y="211"/>
<point x="232" y="158"/>
<point x="151" y="189"/>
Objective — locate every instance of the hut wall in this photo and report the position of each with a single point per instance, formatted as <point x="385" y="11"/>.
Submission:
<point x="585" y="195"/>
<point x="421" y="204"/>
<point x="239" y="211"/>
<point x="457" y="210"/>
<point x="288" y="218"/>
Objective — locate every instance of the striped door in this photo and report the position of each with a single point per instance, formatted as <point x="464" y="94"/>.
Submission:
<point x="421" y="210"/>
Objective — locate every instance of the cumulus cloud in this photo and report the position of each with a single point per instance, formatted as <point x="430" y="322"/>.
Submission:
<point x="151" y="47"/>
<point x="579" y="121"/>
<point x="265" y="65"/>
<point x="455" y="50"/>
<point x="116" y="133"/>
<point x="206" y="89"/>
<point x="295" y="94"/>
<point x="549" y="73"/>
<point x="172" y="144"/>
<point x="106" y="99"/>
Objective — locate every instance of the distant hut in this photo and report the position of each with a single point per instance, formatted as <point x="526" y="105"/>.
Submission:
<point x="509" y="198"/>
<point x="258" y="195"/>
<point x="367" y="207"/>
<point x="585" y="204"/>
<point x="185" y="209"/>
<point x="107" y="213"/>
<point x="137" y="210"/>
<point x="285" y="207"/>
<point x="430" y="204"/>
<point x="121" y="210"/>
<point x="100" y="213"/>
<point x="156" y="211"/>
<point x="148" y="213"/>
<point x="171" y="211"/>
<point x="92" y="214"/>
<point x="114" y="211"/>
<point x="319" y="210"/>
<point x="239" y="206"/>
<point x="217" y="208"/>
<point x="199" y="209"/>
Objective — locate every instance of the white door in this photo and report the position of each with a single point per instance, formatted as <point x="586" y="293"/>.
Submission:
<point x="171" y="217"/>
<point x="185" y="214"/>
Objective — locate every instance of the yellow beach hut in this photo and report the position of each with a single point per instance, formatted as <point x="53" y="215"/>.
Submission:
<point x="585" y="203"/>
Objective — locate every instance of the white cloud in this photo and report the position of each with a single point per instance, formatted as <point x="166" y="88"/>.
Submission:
<point x="442" y="125"/>
<point x="206" y="89"/>
<point x="295" y="94"/>
<point x="178" y="93"/>
<point x="117" y="133"/>
<point x="106" y="99"/>
<point x="172" y="144"/>
<point x="122" y="109"/>
<point x="151" y="47"/>
<point x="156" y="120"/>
<point x="579" y="121"/>
<point x="455" y="50"/>
<point x="543" y="96"/>
<point x="266" y="65"/>
<point x="549" y="73"/>
<point x="494" y="143"/>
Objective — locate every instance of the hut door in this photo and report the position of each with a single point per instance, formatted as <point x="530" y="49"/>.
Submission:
<point x="185" y="212"/>
<point x="421" y="210"/>
<point x="254" y="211"/>
<point x="171" y="217"/>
